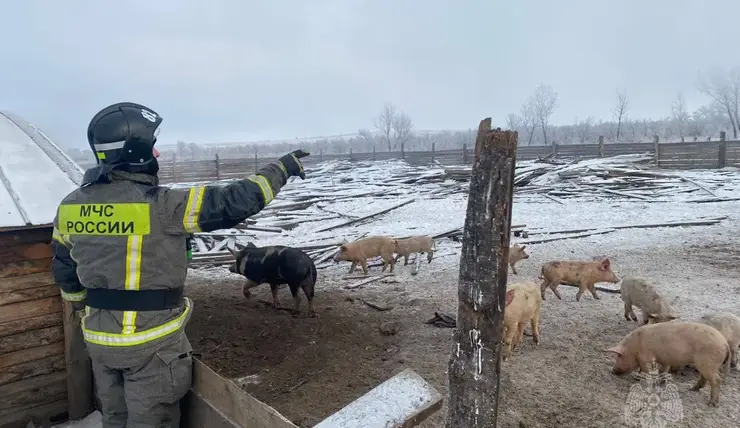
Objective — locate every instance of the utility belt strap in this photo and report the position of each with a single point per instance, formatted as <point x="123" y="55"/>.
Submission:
<point x="134" y="300"/>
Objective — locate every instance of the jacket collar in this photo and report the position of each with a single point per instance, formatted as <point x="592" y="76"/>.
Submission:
<point x="118" y="174"/>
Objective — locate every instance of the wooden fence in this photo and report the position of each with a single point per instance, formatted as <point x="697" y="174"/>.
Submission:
<point x="707" y="154"/>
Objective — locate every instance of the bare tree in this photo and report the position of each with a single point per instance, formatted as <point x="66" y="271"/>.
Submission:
<point x="402" y="130"/>
<point x="620" y="111"/>
<point x="513" y="121"/>
<point x="529" y="120"/>
<point x="584" y="129"/>
<point x="366" y="135"/>
<point x="544" y="101"/>
<point x="384" y="123"/>
<point x="724" y="89"/>
<point x="680" y="115"/>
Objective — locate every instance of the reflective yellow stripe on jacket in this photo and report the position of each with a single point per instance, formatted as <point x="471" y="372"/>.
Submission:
<point x="192" y="209"/>
<point x="133" y="276"/>
<point x="265" y="187"/>
<point x="113" y="339"/>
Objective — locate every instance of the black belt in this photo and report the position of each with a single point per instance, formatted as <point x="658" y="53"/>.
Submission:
<point x="134" y="300"/>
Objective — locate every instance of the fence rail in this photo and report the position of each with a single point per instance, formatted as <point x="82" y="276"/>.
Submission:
<point x="708" y="154"/>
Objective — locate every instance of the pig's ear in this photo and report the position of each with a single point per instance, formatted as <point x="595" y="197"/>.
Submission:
<point x="509" y="297"/>
<point x="233" y="252"/>
<point x="523" y="247"/>
<point x="616" y="350"/>
<point x="605" y="264"/>
<point x="251" y="245"/>
<point x="342" y="247"/>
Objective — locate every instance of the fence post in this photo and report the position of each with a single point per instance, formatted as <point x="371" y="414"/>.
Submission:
<point x="601" y="146"/>
<point x="256" y="163"/>
<point x="373" y="152"/>
<point x="403" y="151"/>
<point x="174" y="169"/>
<point x="554" y="148"/>
<point x="321" y="155"/>
<point x="350" y="153"/>
<point x="465" y="154"/>
<point x="218" y="171"/>
<point x="722" y="157"/>
<point x="656" y="148"/>
<point x="432" y="151"/>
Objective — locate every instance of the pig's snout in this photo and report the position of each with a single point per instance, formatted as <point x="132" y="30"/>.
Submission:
<point x="617" y="371"/>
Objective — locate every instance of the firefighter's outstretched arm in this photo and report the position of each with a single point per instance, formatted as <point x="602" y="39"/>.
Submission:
<point x="207" y="208"/>
<point x="64" y="270"/>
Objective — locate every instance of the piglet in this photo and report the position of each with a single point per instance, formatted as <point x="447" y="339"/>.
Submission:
<point x="523" y="303"/>
<point x="584" y="274"/>
<point x="675" y="344"/>
<point x="359" y="251"/>
<point x="640" y="293"/>
<point x="516" y="253"/>
<point x="415" y="244"/>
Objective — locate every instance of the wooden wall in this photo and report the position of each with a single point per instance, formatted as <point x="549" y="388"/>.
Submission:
<point x="33" y="376"/>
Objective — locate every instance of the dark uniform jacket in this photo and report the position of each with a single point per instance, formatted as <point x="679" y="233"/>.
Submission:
<point x="130" y="234"/>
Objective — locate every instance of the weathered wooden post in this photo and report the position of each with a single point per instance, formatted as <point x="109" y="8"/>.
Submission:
<point x="656" y="149"/>
<point x="601" y="146"/>
<point x="554" y="148"/>
<point x="403" y="151"/>
<point x="256" y="163"/>
<point x="465" y="154"/>
<point x="373" y="152"/>
<point x="321" y="155"/>
<point x="350" y="153"/>
<point x="475" y="361"/>
<point x="79" y="367"/>
<point x="432" y="151"/>
<point x="218" y="172"/>
<point x="722" y="156"/>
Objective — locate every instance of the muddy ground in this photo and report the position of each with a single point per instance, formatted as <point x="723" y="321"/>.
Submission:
<point x="309" y="368"/>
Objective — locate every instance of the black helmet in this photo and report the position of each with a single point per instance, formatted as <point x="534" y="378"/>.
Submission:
<point x="124" y="134"/>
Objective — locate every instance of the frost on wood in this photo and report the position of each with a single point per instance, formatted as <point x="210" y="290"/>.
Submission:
<point x="475" y="361"/>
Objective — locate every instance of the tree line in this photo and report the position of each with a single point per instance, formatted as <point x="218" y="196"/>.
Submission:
<point x="393" y="129"/>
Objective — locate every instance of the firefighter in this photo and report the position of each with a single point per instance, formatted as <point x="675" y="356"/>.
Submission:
<point x="120" y="253"/>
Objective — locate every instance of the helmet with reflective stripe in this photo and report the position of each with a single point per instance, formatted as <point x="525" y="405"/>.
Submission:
<point x="124" y="133"/>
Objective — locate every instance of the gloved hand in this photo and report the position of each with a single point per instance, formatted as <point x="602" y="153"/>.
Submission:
<point x="293" y="166"/>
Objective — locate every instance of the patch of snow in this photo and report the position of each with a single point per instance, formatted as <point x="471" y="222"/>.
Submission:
<point x="33" y="182"/>
<point x="93" y="420"/>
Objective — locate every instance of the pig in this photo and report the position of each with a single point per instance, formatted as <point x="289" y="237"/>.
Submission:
<point x="516" y="253"/>
<point x="277" y="265"/>
<point x="584" y="274"/>
<point x="416" y="244"/>
<point x="359" y="251"/>
<point x="675" y="344"/>
<point x="640" y="293"/>
<point x="729" y="326"/>
<point x="523" y="303"/>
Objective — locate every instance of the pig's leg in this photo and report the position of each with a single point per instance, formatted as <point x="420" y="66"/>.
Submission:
<point x="363" y="263"/>
<point x="513" y="269"/>
<point x="352" y="268"/>
<point x="247" y="285"/>
<point x="274" y="290"/>
<point x="700" y="383"/>
<point x="733" y="355"/>
<point x="398" y="257"/>
<point x="536" y="327"/>
<point x="520" y="334"/>
<point x="508" y="337"/>
<point x="581" y="289"/>
<point x="592" y="289"/>
<point x="296" y="299"/>
<point x="385" y="265"/>
<point x="392" y="263"/>
<point x="405" y="259"/>
<point x="543" y="287"/>
<point x="429" y="256"/>
<point x="714" y="391"/>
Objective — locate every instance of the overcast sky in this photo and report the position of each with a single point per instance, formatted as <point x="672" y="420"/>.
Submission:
<point x="223" y="70"/>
